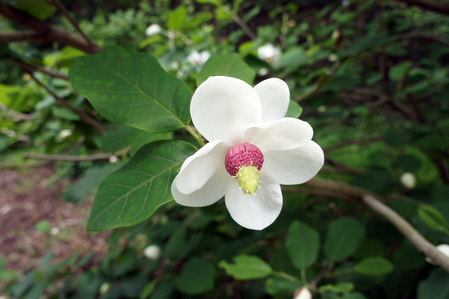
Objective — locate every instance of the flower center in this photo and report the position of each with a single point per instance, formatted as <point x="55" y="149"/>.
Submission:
<point x="244" y="162"/>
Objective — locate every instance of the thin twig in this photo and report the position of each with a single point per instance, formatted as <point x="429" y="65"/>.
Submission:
<point x="244" y="26"/>
<point x="83" y="116"/>
<point x="353" y="141"/>
<point x="73" y="158"/>
<point x="424" y="246"/>
<point x="373" y="201"/>
<point x="32" y="68"/>
<point x="412" y="35"/>
<point x="66" y="14"/>
<point x="320" y="83"/>
<point x="51" y="32"/>
<point x="22" y="36"/>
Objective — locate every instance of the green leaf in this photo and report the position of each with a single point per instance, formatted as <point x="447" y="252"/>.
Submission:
<point x="90" y="182"/>
<point x="124" y="136"/>
<point x="294" y="110"/>
<point x="303" y="243"/>
<point x="176" y="18"/>
<point x="365" y="43"/>
<point x="41" y="9"/>
<point x="197" y="276"/>
<point x="343" y="238"/>
<point x="246" y="267"/>
<point x="342" y="287"/>
<point x="432" y="218"/>
<point x="132" y="193"/>
<point x="280" y="285"/>
<point x="148" y="289"/>
<point x="435" y="286"/>
<point x="230" y="65"/>
<point x="399" y="71"/>
<point x="131" y="88"/>
<point x="374" y="266"/>
<point x="294" y="57"/>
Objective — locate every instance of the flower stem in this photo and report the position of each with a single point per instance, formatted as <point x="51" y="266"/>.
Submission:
<point x="195" y="135"/>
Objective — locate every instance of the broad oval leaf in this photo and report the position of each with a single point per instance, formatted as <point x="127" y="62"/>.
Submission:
<point x="131" y="88"/>
<point x="230" y="65"/>
<point x="434" y="286"/>
<point x="303" y="243"/>
<point x="246" y="267"/>
<point x="374" y="266"/>
<point x="431" y="217"/>
<point x="197" y="276"/>
<point x="131" y="194"/>
<point x="343" y="238"/>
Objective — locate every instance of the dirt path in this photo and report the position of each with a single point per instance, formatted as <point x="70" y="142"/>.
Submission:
<point x="25" y="199"/>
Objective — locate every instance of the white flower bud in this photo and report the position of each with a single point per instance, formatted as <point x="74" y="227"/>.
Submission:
<point x="65" y="133"/>
<point x="443" y="248"/>
<point x="54" y="231"/>
<point x="302" y="293"/>
<point x="104" y="287"/>
<point x="408" y="180"/>
<point x="270" y="54"/>
<point x="153" y="30"/>
<point x="113" y="159"/>
<point x="152" y="252"/>
<point x="333" y="57"/>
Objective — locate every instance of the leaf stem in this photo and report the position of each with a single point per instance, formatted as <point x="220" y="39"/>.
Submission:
<point x="195" y="135"/>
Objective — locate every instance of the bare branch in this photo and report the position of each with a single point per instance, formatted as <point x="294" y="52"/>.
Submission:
<point x="22" y="36"/>
<point x="72" y="158"/>
<point x="66" y="14"/>
<point x="320" y="83"/>
<point x="424" y="246"/>
<point x="83" y="116"/>
<point x="412" y="35"/>
<point x="32" y="68"/>
<point x="373" y="201"/>
<point x="49" y="31"/>
<point x="437" y="6"/>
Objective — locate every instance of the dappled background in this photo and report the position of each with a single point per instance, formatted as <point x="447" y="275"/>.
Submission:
<point x="371" y="77"/>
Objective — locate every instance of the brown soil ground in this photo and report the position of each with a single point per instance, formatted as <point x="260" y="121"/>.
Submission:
<point x="26" y="197"/>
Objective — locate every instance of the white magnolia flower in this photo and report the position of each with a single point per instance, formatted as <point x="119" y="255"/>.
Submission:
<point x="152" y="252"/>
<point x="270" y="53"/>
<point x="153" y="30"/>
<point x="198" y="58"/>
<point x="248" y="136"/>
<point x="303" y="293"/>
<point x="408" y="180"/>
<point x="443" y="248"/>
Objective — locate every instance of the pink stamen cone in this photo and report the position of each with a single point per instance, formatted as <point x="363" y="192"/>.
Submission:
<point x="244" y="154"/>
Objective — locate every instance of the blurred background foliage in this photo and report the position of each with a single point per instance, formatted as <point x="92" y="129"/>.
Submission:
<point x="371" y="78"/>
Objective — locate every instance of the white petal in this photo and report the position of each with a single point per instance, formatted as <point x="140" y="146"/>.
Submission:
<point x="197" y="169"/>
<point x="209" y="193"/>
<point x="284" y="134"/>
<point x="275" y="97"/>
<point x="255" y="211"/>
<point x="295" y="166"/>
<point x="223" y="107"/>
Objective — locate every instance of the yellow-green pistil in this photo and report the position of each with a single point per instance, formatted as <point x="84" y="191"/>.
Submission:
<point x="244" y="162"/>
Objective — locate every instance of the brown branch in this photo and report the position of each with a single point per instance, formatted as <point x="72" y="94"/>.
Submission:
<point x="83" y="116"/>
<point x="73" y="158"/>
<point x="437" y="6"/>
<point x="49" y="31"/>
<point x="66" y="14"/>
<point x="22" y="36"/>
<point x="424" y="246"/>
<point x="412" y="35"/>
<point x="353" y="141"/>
<point x="32" y="68"/>
<point x="244" y="26"/>
<point x="320" y="83"/>
<point x="374" y="202"/>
